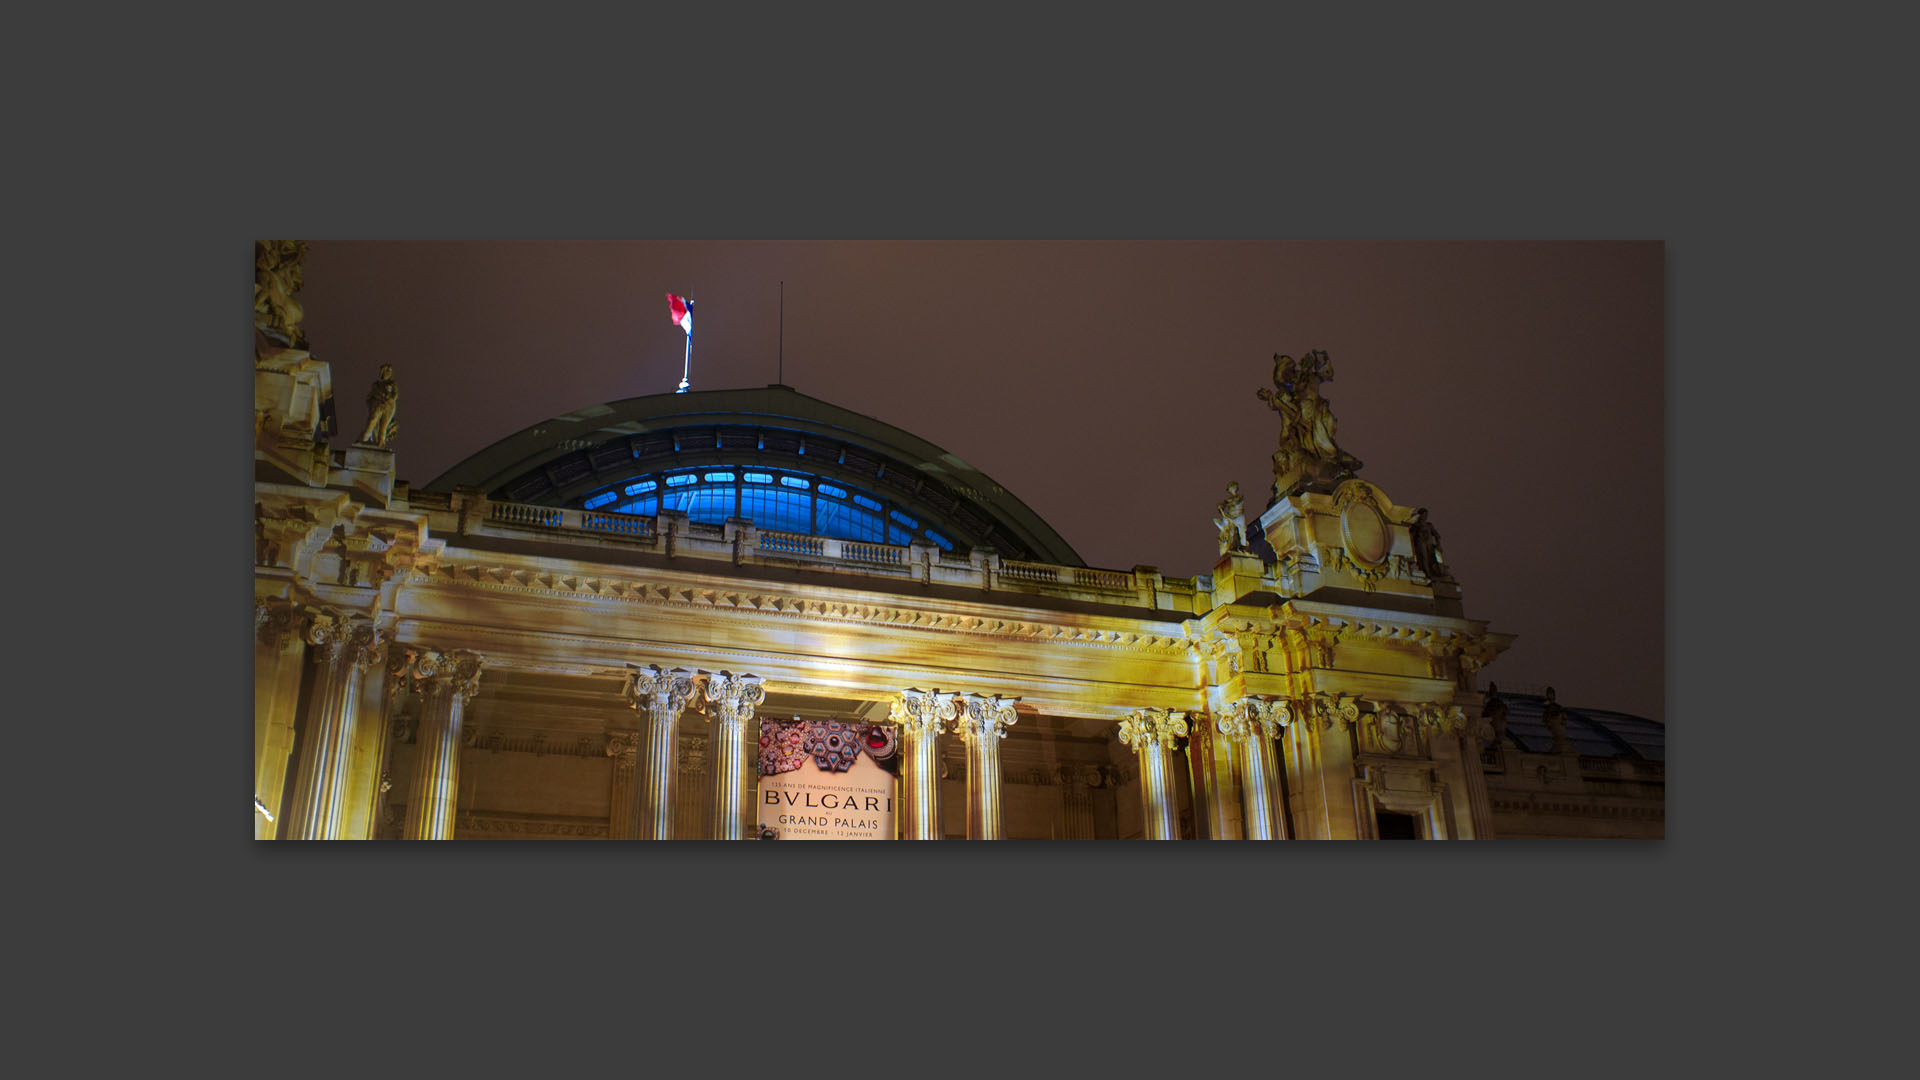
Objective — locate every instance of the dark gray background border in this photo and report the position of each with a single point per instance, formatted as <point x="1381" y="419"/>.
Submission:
<point x="557" y="956"/>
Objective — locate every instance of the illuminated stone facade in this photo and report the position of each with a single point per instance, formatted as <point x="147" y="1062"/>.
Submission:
<point x="508" y="655"/>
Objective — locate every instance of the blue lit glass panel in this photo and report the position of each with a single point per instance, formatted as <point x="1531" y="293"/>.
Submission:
<point x="645" y="507"/>
<point x="755" y="477"/>
<point x="644" y="485"/>
<point x="849" y="523"/>
<point x="898" y="535"/>
<point x="866" y="502"/>
<point x="600" y="500"/>
<point x="945" y="544"/>
<point x="684" y="478"/>
<point x="719" y="478"/>
<point x="780" y="511"/>
<point x="829" y="489"/>
<point x="794" y="482"/>
<point x="711" y="505"/>
<point x="903" y="519"/>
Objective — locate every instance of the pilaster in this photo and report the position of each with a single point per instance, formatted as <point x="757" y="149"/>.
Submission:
<point x="624" y="748"/>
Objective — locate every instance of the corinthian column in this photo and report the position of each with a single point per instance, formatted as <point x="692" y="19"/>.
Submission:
<point x="624" y="748"/>
<point x="1255" y="723"/>
<point x="664" y="695"/>
<point x="1151" y="733"/>
<point x="982" y="723"/>
<point x="446" y="681"/>
<point x="344" y="646"/>
<point x="921" y="716"/>
<point x="732" y="698"/>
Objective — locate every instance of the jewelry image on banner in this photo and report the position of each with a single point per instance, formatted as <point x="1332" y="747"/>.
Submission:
<point x="826" y="780"/>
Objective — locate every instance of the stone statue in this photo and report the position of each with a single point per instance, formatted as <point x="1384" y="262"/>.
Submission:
<point x="1555" y="717"/>
<point x="1426" y="547"/>
<point x="382" y="402"/>
<point x="276" y="277"/>
<point x="1308" y="453"/>
<point x="1232" y="520"/>
<point x="1494" y="708"/>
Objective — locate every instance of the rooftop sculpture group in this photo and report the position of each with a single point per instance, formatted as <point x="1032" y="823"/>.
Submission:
<point x="1308" y="455"/>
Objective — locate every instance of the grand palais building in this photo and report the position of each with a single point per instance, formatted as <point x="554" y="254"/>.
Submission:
<point x="750" y="613"/>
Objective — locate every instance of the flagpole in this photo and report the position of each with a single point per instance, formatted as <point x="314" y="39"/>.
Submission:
<point x="687" y="368"/>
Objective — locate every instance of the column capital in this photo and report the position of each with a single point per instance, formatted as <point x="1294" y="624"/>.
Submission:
<point x="278" y="623"/>
<point x="624" y="748"/>
<point x="1271" y="715"/>
<point x="660" y="691"/>
<point x="733" y="696"/>
<point x="1145" y="728"/>
<point x="456" y="670"/>
<point x="982" y="717"/>
<point x="1332" y="708"/>
<point x="923" y="712"/>
<point x="345" y="635"/>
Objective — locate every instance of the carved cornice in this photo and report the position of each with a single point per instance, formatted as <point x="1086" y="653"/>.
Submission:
<point x="983" y="717"/>
<point x="1152" y="727"/>
<point x="763" y="601"/>
<point x="923" y="712"/>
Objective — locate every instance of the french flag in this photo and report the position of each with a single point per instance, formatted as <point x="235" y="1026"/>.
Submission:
<point x="682" y="311"/>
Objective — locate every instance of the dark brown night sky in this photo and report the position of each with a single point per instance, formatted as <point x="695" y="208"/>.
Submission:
<point x="1514" y="389"/>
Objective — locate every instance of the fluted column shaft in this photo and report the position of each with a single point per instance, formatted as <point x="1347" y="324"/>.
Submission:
<point x="664" y="695"/>
<point x="446" y="682"/>
<point x="983" y="722"/>
<point x="345" y="645"/>
<point x="1151" y="734"/>
<point x="732" y="699"/>
<point x="921" y="716"/>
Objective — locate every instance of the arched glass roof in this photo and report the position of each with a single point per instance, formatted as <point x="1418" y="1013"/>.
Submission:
<point x="1592" y="732"/>
<point x="789" y="462"/>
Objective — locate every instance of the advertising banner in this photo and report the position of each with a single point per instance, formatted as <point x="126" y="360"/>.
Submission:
<point x="826" y="780"/>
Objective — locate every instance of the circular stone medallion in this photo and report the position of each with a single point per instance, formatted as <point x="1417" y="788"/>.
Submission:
<point x="1366" y="533"/>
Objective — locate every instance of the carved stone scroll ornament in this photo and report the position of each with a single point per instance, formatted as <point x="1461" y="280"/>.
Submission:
<point x="924" y="712"/>
<point x="456" y="671"/>
<point x="278" y="623"/>
<point x="344" y="636"/>
<point x="1253" y="716"/>
<point x="660" y="692"/>
<point x="1151" y="727"/>
<point x="624" y="748"/>
<point x="981" y="717"/>
<point x="734" y="696"/>
<point x="1330" y="709"/>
